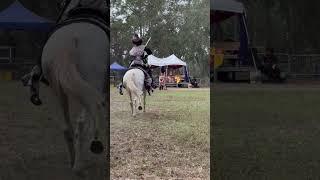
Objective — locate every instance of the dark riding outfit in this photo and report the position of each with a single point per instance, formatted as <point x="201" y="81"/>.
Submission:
<point x="270" y="65"/>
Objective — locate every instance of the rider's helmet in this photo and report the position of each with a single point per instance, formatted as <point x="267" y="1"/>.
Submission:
<point x="136" y="40"/>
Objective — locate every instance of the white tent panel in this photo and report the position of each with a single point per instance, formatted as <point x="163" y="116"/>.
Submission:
<point x="226" y="5"/>
<point x="174" y="61"/>
<point x="168" y="61"/>
<point x="154" y="61"/>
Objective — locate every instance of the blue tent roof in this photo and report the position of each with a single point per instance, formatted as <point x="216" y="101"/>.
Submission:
<point x="117" y="67"/>
<point x="17" y="17"/>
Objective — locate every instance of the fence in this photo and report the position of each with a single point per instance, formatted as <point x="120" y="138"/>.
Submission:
<point x="12" y="67"/>
<point x="6" y="54"/>
<point x="299" y="66"/>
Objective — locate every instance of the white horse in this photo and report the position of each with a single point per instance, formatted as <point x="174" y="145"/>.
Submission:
<point x="133" y="81"/>
<point x="74" y="62"/>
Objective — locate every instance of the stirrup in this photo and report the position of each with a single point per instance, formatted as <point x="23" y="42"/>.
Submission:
<point x="26" y="80"/>
<point x="149" y="88"/>
<point x="154" y="86"/>
<point x="120" y="86"/>
<point x="149" y="92"/>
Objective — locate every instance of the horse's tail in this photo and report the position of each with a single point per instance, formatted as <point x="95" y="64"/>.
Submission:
<point x="67" y="78"/>
<point x="132" y="86"/>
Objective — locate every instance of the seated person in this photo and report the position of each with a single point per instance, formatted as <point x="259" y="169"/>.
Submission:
<point x="269" y="65"/>
<point x="194" y="83"/>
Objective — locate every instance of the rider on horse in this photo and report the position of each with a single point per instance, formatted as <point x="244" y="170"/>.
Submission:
<point x="139" y="54"/>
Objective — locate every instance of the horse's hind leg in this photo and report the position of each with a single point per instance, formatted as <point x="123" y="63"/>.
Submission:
<point x="79" y="142"/>
<point x="92" y="103"/>
<point x="131" y="103"/>
<point x="134" y="106"/>
<point x="138" y="100"/>
<point x="89" y="165"/>
<point x="68" y="130"/>
<point x="144" y="101"/>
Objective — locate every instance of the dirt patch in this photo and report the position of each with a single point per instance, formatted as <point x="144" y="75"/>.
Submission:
<point x="142" y="149"/>
<point x="31" y="140"/>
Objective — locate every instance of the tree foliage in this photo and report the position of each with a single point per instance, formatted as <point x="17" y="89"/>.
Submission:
<point x="285" y="24"/>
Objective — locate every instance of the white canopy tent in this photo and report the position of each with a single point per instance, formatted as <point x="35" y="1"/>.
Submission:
<point x="171" y="61"/>
<point x="221" y="10"/>
<point x="168" y="61"/>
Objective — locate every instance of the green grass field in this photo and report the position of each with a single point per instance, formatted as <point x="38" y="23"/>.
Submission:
<point x="170" y="140"/>
<point x="266" y="132"/>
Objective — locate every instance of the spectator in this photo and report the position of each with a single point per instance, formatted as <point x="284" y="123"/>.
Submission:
<point x="194" y="83"/>
<point x="162" y="82"/>
<point x="270" y="65"/>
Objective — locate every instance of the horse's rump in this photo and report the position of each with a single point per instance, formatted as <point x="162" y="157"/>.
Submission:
<point x="133" y="81"/>
<point x="80" y="45"/>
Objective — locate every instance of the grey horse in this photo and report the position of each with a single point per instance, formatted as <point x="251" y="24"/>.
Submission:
<point x="133" y="81"/>
<point x="74" y="62"/>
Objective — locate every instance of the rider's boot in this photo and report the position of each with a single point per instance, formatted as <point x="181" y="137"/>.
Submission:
<point x="33" y="75"/>
<point x="120" y="86"/>
<point x="152" y="81"/>
<point x="27" y="80"/>
<point x="32" y="80"/>
<point x="148" y="85"/>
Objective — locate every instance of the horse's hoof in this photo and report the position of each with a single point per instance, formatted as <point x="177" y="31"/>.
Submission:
<point x="35" y="100"/>
<point x="96" y="147"/>
<point x="140" y="108"/>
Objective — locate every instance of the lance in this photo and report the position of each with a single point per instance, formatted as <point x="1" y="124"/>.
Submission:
<point x="148" y="41"/>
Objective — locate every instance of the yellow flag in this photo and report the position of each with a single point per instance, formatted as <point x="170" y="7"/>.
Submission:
<point x="217" y="57"/>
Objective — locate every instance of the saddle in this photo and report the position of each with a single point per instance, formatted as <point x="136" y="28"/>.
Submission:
<point x="82" y="14"/>
<point x="142" y="68"/>
<point x="137" y="66"/>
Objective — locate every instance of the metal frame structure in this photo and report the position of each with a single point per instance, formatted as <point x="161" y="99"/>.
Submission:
<point x="299" y="66"/>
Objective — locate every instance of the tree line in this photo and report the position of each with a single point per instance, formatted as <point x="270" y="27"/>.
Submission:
<point x="286" y="25"/>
